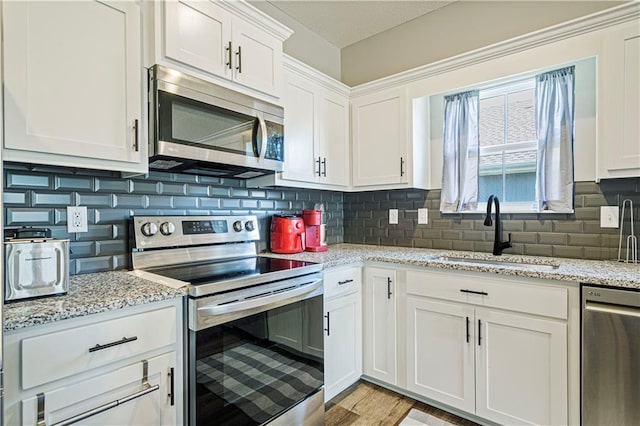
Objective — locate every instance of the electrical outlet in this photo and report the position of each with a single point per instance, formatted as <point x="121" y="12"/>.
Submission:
<point x="77" y="219"/>
<point x="393" y="216"/>
<point x="423" y="216"/>
<point x="609" y="216"/>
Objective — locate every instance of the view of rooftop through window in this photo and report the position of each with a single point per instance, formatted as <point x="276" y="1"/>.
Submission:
<point x="508" y="143"/>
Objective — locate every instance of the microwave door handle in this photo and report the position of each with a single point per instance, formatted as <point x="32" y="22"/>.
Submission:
<point x="263" y="131"/>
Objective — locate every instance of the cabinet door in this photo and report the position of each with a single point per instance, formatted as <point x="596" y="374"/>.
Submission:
<point x="343" y="344"/>
<point x="521" y="369"/>
<point x="73" y="86"/>
<point x="380" y="324"/>
<point x="300" y="124"/>
<point x="152" y="408"/>
<point x="380" y="138"/>
<point x="621" y="145"/>
<point x="257" y="58"/>
<point x="198" y="33"/>
<point x="333" y="136"/>
<point x="440" y="351"/>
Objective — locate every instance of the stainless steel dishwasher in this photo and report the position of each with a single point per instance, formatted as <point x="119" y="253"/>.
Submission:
<point x="610" y="356"/>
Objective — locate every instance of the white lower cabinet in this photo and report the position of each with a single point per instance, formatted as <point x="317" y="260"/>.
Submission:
<point x="440" y="352"/>
<point x="380" y="347"/>
<point x="467" y="348"/>
<point x="114" y="368"/>
<point x="343" y="330"/>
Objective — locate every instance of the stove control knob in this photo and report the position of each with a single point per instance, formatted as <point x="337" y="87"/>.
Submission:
<point x="149" y="229"/>
<point x="167" y="228"/>
<point x="249" y="226"/>
<point x="237" y="226"/>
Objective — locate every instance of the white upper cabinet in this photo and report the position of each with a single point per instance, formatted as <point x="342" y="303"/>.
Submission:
<point x="73" y="91"/>
<point x="619" y="142"/>
<point x="198" y="33"/>
<point x="379" y="137"/>
<point x="316" y="121"/>
<point x="229" y="41"/>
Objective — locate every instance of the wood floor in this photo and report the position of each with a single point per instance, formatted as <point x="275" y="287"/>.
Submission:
<point x="368" y="404"/>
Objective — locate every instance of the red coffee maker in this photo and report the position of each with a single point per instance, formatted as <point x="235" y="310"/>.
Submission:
<point x="315" y="230"/>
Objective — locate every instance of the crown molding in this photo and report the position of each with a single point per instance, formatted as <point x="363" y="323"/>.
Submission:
<point x="583" y="25"/>
<point x="256" y="17"/>
<point x="296" y="66"/>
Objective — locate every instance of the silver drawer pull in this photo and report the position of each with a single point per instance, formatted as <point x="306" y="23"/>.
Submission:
<point x="146" y="388"/>
<point x="90" y="413"/>
<point x="344" y="282"/>
<point x="112" y="344"/>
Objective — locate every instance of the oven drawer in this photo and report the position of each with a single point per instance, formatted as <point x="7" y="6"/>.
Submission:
<point x="342" y="281"/>
<point x="57" y="355"/>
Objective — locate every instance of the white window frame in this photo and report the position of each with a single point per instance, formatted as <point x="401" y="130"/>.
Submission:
<point x="512" y="86"/>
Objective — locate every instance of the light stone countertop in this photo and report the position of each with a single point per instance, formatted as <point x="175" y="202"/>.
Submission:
<point x="88" y="294"/>
<point x="597" y="272"/>
<point x="107" y="291"/>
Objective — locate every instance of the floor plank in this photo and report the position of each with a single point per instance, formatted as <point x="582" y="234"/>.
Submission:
<point x="365" y="404"/>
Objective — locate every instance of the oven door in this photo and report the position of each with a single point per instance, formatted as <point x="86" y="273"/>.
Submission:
<point x="259" y="355"/>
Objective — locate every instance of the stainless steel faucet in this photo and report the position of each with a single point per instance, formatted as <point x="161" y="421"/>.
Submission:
<point x="498" y="245"/>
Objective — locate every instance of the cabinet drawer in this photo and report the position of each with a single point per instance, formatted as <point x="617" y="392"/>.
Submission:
<point x="56" y="355"/>
<point x="342" y="281"/>
<point x="491" y="291"/>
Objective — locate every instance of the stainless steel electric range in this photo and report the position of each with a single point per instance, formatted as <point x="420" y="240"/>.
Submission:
<point x="254" y="324"/>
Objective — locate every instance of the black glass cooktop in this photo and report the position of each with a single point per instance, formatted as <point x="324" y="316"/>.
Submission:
<point x="215" y="272"/>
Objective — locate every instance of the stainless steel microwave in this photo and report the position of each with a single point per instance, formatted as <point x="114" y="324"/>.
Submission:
<point x="196" y="126"/>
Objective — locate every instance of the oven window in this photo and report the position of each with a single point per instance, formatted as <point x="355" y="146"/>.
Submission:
<point x="253" y="369"/>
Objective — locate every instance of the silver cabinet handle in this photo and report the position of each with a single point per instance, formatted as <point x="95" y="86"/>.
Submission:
<point x="146" y="388"/>
<point x="90" y="413"/>
<point x="239" y="55"/>
<point x="229" y="54"/>
<point x="122" y="341"/>
<point x="344" y="282"/>
<point x="318" y="161"/>
<point x="401" y="166"/>
<point x="479" y="332"/>
<point x="324" y="167"/>
<point x="389" y="288"/>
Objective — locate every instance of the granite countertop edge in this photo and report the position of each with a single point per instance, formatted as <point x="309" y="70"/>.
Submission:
<point x="596" y="272"/>
<point x="88" y="294"/>
<point x="108" y="291"/>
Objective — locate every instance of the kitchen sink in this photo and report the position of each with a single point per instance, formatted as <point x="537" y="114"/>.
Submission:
<point x="497" y="262"/>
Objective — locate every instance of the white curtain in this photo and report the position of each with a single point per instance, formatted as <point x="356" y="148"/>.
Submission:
<point x="554" y="127"/>
<point x="461" y="153"/>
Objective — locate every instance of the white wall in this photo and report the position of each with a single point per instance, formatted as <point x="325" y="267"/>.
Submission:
<point x="305" y="45"/>
<point x="459" y="27"/>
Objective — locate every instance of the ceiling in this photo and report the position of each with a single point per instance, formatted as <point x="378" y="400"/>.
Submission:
<point x="344" y="22"/>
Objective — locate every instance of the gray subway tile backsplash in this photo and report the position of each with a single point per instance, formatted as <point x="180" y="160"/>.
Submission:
<point x="38" y="195"/>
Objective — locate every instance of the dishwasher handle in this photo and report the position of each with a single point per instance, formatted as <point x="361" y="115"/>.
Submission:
<point x="612" y="309"/>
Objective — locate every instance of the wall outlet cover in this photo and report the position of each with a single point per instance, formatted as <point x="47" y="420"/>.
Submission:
<point x="609" y="216"/>
<point x="77" y="219"/>
<point x="393" y="216"/>
<point x="423" y="216"/>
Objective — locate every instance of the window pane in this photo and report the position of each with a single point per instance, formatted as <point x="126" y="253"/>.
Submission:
<point x="492" y="121"/>
<point x="521" y="119"/>
<point x="520" y="176"/>
<point x="490" y="177"/>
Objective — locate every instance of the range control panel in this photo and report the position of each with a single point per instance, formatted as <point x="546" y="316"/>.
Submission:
<point x="177" y="231"/>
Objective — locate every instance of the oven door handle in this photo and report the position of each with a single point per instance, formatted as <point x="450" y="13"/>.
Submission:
<point x="256" y="302"/>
